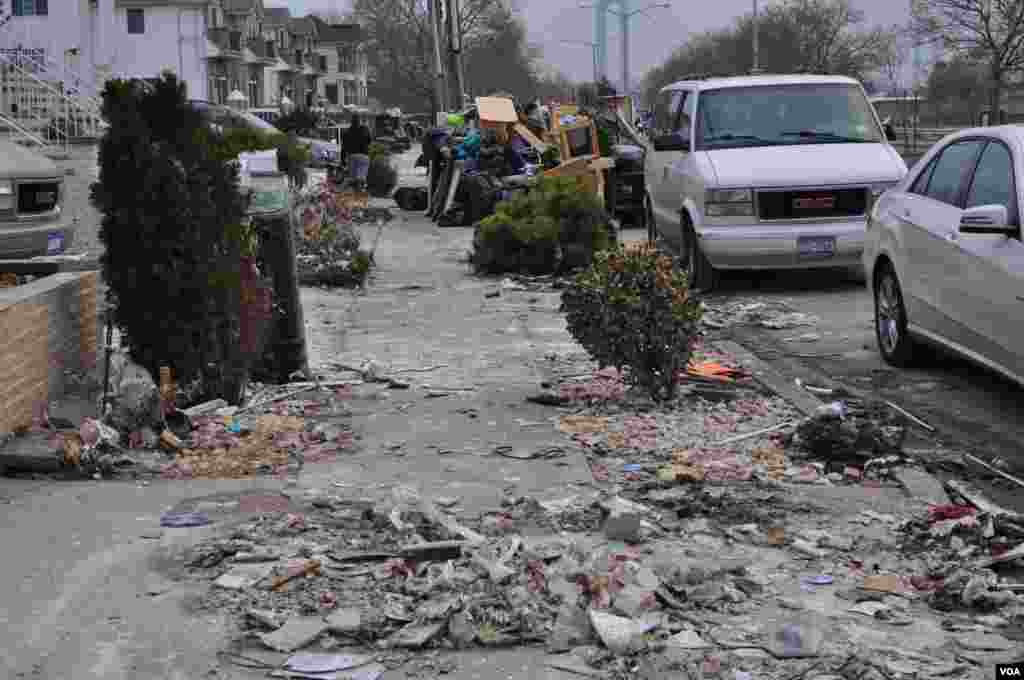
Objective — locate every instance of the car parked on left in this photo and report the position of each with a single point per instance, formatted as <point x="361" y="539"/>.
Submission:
<point x="32" y="220"/>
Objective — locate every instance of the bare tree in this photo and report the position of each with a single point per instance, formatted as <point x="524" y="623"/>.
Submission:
<point x="988" y="30"/>
<point x="816" y="36"/>
<point x="892" y="57"/>
<point x="403" y="47"/>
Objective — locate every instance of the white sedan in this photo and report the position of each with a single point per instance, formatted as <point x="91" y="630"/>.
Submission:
<point x="944" y="255"/>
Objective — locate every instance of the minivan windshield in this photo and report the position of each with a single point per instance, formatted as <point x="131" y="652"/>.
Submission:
<point x="773" y="115"/>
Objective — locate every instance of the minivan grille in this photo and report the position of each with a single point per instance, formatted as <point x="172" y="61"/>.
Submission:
<point x="37" y="197"/>
<point x="812" y="203"/>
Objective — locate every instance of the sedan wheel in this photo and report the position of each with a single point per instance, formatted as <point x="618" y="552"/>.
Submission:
<point x="894" y="342"/>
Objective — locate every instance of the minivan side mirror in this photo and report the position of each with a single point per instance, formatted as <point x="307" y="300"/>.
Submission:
<point x="986" y="219"/>
<point x="672" y="142"/>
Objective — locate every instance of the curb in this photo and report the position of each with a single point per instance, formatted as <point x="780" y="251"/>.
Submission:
<point x="770" y="378"/>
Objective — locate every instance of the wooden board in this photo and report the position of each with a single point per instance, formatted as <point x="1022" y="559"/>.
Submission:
<point x="496" y="109"/>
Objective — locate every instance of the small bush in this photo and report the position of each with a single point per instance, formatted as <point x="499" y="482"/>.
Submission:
<point x="633" y="310"/>
<point x="522" y="245"/>
<point x="556" y="209"/>
<point x="300" y="122"/>
<point x="381" y="179"/>
<point x="378" y="151"/>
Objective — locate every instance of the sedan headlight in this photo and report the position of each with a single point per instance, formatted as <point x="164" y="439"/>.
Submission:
<point x="729" y="203"/>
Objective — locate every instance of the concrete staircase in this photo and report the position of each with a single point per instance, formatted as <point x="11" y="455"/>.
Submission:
<point x="43" y="102"/>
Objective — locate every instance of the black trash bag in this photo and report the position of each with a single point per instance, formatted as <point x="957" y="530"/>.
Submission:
<point x="411" y="198"/>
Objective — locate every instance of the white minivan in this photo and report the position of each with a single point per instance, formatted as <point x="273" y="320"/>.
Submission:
<point x="766" y="172"/>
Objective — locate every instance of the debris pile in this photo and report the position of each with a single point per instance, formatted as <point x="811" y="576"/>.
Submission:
<point x="776" y="315"/>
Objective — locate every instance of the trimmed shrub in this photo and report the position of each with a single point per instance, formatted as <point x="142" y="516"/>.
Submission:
<point x="633" y="310"/>
<point x="171" y="257"/>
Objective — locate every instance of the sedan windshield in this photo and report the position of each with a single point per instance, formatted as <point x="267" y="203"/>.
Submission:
<point x="784" y="115"/>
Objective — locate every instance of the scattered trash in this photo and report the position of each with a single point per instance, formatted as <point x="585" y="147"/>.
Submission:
<point x="295" y="634"/>
<point x="546" y="452"/>
<point x="583" y="424"/>
<point x="184" y="519"/>
<point x="884" y="583"/>
<point x="620" y="635"/>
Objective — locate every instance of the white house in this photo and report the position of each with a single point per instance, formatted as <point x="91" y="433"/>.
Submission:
<point x="97" y="38"/>
<point x="340" y="48"/>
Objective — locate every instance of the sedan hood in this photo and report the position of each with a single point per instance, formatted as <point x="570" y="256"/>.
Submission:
<point x="806" y="165"/>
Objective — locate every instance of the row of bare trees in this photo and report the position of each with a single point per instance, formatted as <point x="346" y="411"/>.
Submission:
<point x="496" y="54"/>
<point x="980" y="39"/>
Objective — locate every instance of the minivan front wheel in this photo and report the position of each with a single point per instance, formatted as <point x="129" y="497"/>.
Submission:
<point x="702" y="274"/>
<point x="894" y="342"/>
<point x="652" y="230"/>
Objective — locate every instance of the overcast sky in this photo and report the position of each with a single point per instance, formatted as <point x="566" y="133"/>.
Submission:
<point x="653" y="35"/>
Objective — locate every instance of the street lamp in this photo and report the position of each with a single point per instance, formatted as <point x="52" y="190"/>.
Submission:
<point x="624" y="17"/>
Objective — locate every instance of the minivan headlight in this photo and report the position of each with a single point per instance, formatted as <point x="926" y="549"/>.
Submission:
<point x="729" y="203"/>
<point x="6" y="194"/>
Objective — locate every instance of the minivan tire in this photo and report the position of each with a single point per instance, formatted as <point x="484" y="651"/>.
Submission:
<point x="703" y="276"/>
<point x="894" y="342"/>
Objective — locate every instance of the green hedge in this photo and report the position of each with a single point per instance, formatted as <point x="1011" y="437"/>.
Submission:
<point x="555" y="227"/>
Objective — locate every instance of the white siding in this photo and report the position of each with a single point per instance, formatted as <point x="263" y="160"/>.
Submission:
<point x="102" y="37"/>
<point x="174" y="38"/>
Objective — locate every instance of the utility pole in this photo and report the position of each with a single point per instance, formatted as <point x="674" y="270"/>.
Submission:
<point x="439" y="88"/>
<point x="624" y="19"/>
<point x="455" y="41"/>
<point x="757" y="65"/>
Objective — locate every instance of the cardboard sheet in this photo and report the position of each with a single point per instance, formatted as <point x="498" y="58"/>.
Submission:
<point x="496" y="110"/>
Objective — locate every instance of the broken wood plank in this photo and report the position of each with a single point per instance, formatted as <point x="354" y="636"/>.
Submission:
<point x="976" y="498"/>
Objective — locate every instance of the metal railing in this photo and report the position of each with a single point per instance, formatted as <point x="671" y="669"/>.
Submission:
<point x="48" y="102"/>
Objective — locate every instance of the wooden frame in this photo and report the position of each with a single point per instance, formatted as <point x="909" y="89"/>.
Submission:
<point x="563" y="139"/>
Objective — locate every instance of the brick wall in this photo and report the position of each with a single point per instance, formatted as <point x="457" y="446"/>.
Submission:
<point x="47" y="327"/>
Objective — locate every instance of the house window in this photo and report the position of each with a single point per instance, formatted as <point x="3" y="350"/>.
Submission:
<point x="214" y="17"/>
<point x="30" y="8"/>
<point x="254" y="94"/>
<point x="332" y="93"/>
<point x="136" y="21"/>
<point x="323" y="62"/>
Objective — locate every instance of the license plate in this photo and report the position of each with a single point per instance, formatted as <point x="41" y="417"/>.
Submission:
<point x="814" y="202"/>
<point x="816" y="246"/>
<point x="45" y="197"/>
<point x="54" y="244"/>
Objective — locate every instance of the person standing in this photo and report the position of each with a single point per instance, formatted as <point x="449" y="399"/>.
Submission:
<point x="356" y="143"/>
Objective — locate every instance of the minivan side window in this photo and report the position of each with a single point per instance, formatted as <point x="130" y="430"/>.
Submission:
<point x="666" y="111"/>
<point x="951" y="171"/>
<point x="993" y="180"/>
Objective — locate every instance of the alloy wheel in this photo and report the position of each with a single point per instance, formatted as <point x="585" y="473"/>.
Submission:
<point x="889" y="315"/>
